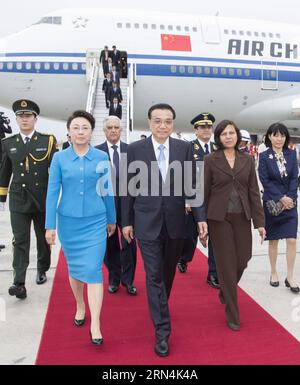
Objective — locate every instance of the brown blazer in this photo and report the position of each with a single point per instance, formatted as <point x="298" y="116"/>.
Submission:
<point x="219" y="179"/>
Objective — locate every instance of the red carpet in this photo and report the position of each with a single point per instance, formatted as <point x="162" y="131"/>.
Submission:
<point x="199" y="335"/>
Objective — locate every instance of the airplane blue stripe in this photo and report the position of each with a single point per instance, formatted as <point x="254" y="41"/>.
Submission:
<point x="153" y="57"/>
<point x="168" y="70"/>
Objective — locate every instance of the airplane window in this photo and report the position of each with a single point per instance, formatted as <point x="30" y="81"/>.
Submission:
<point x="170" y="27"/>
<point x="56" y="66"/>
<point x="263" y="34"/>
<point x="119" y="25"/>
<point x="145" y="26"/>
<point x="233" y="32"/>
<point x="28" y="66"/>
<point x="47" y="66"/>
<point x="75" y="67"/>
<point x="215" y="71"/>
<point x="10" y="66"/>
<point x="128" y="25"/>
<point x="153" y="26"/>
<point x="256" y="34"/>
<point x="239" y="72"/>
<point x="182" y="69"/>
<point x="249" y="33"/>
<point x="207" y="70"/>
<point x="278" y="35"/>
<point x="178" y="27"/>
<point x="231" y="71"/>
<point x="223" y="71"/>
<point x="247" y="72"/>
<point x="271" y="35"/>
<point x="37" y="66"/>
<point x="173" y="69"/>
<point x="83" y="67"/>
<point x="226" y="31"/>
<point x="162" y="26"/>
<point x="273" y="74"/>
<point x="190" y="69"/>
<point x="241" y="33"/>
<point x="186" y="28"/>
<point x="66" y="66"/>
<point x="194" y="29"/>
<point x="19" y="66"/>
<point x="136" y="25"/>
<point x="199" y="70"/>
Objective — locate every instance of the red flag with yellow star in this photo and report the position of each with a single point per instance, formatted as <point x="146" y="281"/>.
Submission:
<point x="176" y="43"/>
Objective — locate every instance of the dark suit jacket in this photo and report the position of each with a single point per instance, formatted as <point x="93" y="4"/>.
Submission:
<point x="102" y="56"/>
<point x="116" y="57"/>
<point x="115" y="78"/>
<point x="106" y="85"/>
<point x="146" y="212"/>
<point x="117" y="112"/>
<point x="115" y="94"/>
<point x="219" y="179"/>
<point x="275" y="187"/>
<point x="198" y="151"/>
<point x="65" y="145"/>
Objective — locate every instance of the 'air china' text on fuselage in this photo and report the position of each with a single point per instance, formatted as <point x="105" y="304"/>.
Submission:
<point x="260" y="48"/>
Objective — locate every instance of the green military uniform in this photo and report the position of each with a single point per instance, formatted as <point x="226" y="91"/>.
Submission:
<point x="28" y="165"/>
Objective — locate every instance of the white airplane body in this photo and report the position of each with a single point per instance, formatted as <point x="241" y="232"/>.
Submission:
<point x="244" y="70"/>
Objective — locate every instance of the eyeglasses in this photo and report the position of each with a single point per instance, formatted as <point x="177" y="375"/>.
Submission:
<point x="159" y="122"/>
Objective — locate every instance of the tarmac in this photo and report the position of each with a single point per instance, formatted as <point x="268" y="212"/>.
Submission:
<point x="21" y="322"/>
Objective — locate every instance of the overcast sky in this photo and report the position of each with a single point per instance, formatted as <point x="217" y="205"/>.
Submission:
<point x="18" y="14"/>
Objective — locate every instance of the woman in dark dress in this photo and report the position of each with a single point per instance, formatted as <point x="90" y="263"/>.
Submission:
<point x="278" y="173"/>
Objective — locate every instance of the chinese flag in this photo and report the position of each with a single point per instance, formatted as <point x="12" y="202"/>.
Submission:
<point x="176" y="43"/>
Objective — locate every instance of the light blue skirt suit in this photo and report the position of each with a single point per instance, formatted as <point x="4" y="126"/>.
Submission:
<point x="80" y="204"/>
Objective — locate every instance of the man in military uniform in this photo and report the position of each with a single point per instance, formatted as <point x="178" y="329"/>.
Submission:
<point x="203" y="127"/>
<point x="26" y="158"/>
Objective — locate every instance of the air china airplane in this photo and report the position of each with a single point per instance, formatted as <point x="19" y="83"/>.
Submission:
<point x="245" y="70"/>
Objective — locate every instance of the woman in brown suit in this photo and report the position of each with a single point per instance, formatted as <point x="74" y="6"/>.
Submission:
<point x="232" y="199"/>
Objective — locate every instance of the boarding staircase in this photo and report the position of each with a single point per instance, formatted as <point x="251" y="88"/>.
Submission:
<point x="96" y="98"/>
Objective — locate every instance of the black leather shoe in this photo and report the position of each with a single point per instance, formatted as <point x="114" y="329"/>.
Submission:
<point x="233" y="326"/>
<point x="182" y="266"/>
<point x="79" y="322"/>
<point x="213" y="281"/>
<point x="131" y="290"/>
<point x="113" y="289"/>
<point x="41" y="278"/>
<point x="18" y="290"/>
<point x="161" y="348"/>
<point x="294" y="289"/>
<point x="274" y="283"/>
<point x="96" y="341"/>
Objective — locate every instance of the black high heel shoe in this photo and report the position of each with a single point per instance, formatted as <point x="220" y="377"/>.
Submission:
<point x="294" y="289"/>
<point x="79" y="322"/>
<point x="96" y="341"/>
<point x="274" y="283"/>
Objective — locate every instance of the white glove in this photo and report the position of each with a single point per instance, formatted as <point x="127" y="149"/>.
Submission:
<point x="2" y="206"/>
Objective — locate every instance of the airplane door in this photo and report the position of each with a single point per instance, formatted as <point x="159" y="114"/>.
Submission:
<point x="211" y="30"/>
<point x="269" y="75"/>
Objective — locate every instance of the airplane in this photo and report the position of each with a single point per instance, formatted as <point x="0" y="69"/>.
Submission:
<point x="244" y="70"/>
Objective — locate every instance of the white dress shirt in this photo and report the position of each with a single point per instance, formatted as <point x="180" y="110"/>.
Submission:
<point x="27" y="136"/>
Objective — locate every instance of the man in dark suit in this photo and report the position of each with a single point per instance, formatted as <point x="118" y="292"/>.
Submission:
<point x="115" y="76"/>
<point x="108" y="66"/>
<point x="26" y="160"/>
<point x="116" y="57"/>
<point x="105" y="54"/>
<point x="203" y="145"/>
<point x="115" y="92"/>
<point x="154" y="212"/>
<point x="107" y="85"/>
<point x="115" y="109"/>
<point x="67" y="143"/>
<point x="121" y="262"/>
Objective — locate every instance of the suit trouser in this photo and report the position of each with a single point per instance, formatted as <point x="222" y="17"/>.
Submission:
<point x="232" y="243"/>
<point x="160" y="258"/>
<point x="120" y="261"/>
<point x="21" y="224"/>
<point x="190" y="244"/>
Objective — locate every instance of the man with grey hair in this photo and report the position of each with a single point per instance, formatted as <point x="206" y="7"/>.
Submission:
<point x="120" y="261"/>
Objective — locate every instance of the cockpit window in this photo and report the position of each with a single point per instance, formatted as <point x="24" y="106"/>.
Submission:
<point x="57" y="20"/>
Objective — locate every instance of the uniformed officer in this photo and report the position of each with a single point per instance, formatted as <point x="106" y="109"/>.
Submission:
<point x="26" y="158"/>
<point x="203" y="145"/>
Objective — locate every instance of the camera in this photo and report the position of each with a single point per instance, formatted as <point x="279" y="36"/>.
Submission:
<point x="4" y="125"/>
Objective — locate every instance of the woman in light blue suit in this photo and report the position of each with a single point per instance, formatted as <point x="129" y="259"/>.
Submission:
<point x="278" y="173"/>
<point x="84" y="215"/>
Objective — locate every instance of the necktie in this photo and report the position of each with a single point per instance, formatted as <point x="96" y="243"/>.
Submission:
<point x="162" y="162"/>
<point x="206" y="149"/>
<point x="116" y="159"/>
<point x="27" y="140"/>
